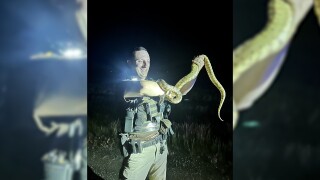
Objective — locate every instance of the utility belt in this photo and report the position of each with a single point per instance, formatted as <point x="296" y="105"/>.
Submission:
<point x="135" y="142"/>
<point x="135" y="146"/>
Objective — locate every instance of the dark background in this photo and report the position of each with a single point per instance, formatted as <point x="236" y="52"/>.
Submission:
<point x="173" y="34"/>
<point x="285" y="145"/>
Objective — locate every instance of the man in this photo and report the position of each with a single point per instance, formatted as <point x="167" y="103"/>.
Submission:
<point x="146" y="124"/>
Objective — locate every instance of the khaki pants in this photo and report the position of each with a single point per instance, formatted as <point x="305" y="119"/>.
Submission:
<point x="148" y="163"/>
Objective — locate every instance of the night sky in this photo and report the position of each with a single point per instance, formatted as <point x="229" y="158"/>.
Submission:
<point x="173" y="35"/>
<point x="285" y="144"/>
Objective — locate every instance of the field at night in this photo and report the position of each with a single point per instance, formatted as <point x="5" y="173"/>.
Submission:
<point x="201" y="147"/>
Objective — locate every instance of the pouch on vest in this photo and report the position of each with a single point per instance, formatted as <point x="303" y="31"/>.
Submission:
<point x="129" y="121"/>
<point x="165" y="127"/>
<point x="124" y="143"/>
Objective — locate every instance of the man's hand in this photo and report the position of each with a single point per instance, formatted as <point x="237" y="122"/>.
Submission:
<point x="71" y="128"/>
<point x="199" y="60"/>
<point x="60" y="128"/>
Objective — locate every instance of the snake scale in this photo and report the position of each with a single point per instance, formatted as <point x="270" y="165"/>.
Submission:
<point x="284" y="17"/>
<point x="173" y="93"/>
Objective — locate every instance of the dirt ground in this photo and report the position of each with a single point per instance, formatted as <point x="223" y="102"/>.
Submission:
<point x="105" y="162"/>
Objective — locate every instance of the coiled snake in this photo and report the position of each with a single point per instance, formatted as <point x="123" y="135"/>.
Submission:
<point x="252" y="57"/>
<point x="173" y="93"/>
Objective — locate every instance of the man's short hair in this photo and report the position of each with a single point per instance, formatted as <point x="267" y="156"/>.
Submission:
<point x="140" y="48"/>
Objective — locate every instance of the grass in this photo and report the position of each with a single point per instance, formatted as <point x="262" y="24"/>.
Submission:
<point x="195" y="139"/>
<point x="198" y="142"/>
<point x="191" y="138"/>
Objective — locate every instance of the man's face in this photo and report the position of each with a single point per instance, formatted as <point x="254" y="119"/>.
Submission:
<point x="142" y="59"/>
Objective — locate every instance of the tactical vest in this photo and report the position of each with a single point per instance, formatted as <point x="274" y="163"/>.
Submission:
<point x="145" y="115"/>
<point x="146" y="124"/>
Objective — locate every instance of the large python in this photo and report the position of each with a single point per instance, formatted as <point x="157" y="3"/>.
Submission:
<point x="173" y="93"/>
<point x="253" y="59"/>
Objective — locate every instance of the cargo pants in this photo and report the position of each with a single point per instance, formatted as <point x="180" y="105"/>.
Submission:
<point x="150" y="163"/>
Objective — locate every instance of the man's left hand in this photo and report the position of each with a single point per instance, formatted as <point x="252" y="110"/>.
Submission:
<point x="199" y="60"/>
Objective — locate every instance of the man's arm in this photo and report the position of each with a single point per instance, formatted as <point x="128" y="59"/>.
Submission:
<point x="151" y="88"/>
<point x="142" y="88"/>
<point x="188" y="86"/>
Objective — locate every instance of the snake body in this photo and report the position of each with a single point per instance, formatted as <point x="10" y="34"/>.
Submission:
<point x="317" y="9"/>
<point x="284" y="17"/>
<point x="270" y="40"/>
<point x="173" y="93"/>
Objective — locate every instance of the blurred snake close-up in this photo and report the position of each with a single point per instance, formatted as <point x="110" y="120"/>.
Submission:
<point x="257" y="61"/>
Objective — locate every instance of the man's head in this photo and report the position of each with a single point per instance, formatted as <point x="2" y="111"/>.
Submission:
<point x="141" y="61"/>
